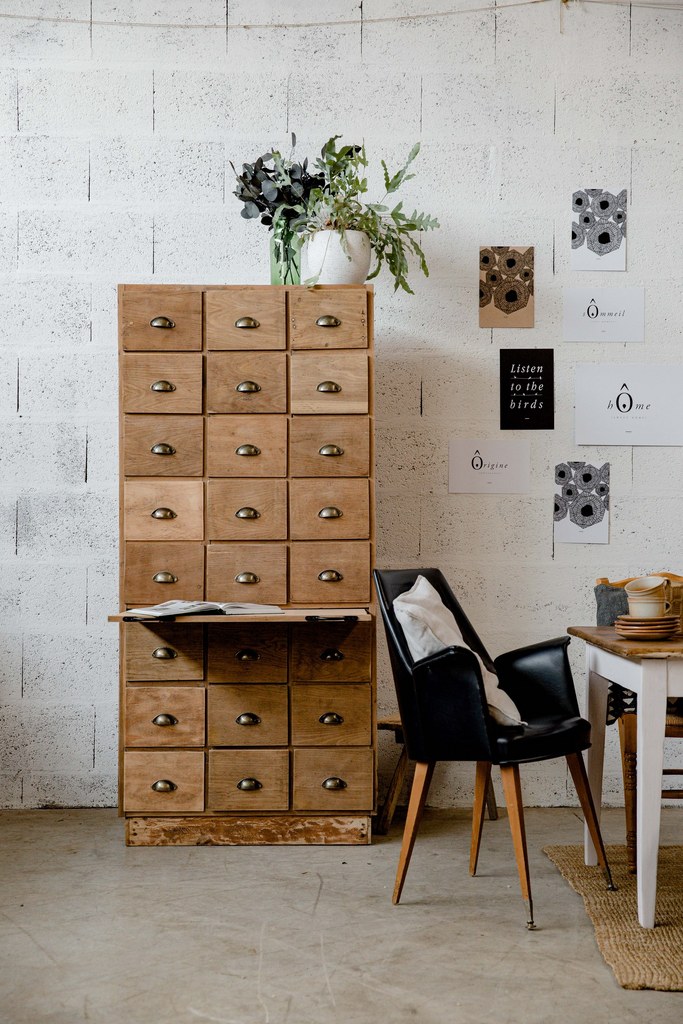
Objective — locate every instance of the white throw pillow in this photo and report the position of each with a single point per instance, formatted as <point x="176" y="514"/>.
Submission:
<point x="429" y="626"/>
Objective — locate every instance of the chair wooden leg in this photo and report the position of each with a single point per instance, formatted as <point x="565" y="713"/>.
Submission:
<point x="385" y="816"/>
<point x="491" y="805"/>
<point x="578" y="770"/>
<point x="627" y="738"/>
<point x="482" y="783"/>
<point x="418" y="796"/>
<point x="513" y="798"/>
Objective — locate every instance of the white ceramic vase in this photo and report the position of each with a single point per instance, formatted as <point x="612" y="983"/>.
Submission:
<point x="324" y="258"/>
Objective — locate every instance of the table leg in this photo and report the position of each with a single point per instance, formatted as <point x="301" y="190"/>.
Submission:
<point x="649" y="764"/>
<point x="596" y="699"/>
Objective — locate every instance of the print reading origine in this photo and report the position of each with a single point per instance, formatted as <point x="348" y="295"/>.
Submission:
<point x="506" y="286"/>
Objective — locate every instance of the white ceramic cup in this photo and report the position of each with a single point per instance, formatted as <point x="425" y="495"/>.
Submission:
<point x="647" y="597"/>
<point x="648" y="608"/>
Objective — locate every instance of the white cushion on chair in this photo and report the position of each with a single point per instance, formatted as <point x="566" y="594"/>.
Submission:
<point x="429" y="626"/>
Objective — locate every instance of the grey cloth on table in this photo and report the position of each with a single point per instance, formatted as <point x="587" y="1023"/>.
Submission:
<point x="611" y="602"/>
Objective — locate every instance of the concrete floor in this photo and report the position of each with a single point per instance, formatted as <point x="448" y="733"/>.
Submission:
<point x="92" y="931"/>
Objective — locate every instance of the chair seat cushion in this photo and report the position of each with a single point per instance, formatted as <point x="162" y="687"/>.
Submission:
<point x="542" y="738"/>
<point x="429" y="627"/>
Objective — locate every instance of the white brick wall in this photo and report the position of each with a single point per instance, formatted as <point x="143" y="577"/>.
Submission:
<point x="115" y="142"/>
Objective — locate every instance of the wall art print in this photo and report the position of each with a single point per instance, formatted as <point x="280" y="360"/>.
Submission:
<point x="598" y="229"/>
<point x="527" y="389"/>
<point x="581" y="511"/>
<point x="628" y="403"/>
<point x="604" y="314"/>
<point x="488" y="466"/>
<point x="506" y="286"/>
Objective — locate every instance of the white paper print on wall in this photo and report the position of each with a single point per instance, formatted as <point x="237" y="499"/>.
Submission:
<point x="581" y="510"/>
<point x="628" y="403"/>
<point x="598" y="229"/>
<point x="481" y="466"/>
<point x="604" y="314"/>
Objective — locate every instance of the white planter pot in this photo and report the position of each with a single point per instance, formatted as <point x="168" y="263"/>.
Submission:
<point x="324" y="258"/>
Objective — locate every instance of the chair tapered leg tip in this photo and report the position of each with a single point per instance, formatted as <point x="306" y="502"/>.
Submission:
<point x="530" y="926"/>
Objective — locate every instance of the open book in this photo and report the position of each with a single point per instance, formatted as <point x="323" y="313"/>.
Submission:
<point x="169" y="609"/>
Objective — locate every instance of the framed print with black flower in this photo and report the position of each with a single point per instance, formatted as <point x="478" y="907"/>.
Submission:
<point x="581" y="510"/>
<point x="598" y="229"/>
<point x="506" y="286"/>
<point x="527" y="389"/>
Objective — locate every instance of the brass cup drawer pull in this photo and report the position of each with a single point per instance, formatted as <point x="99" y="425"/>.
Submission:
<point x="249" y="785"/>
<point x="247" y="577"/>
<point x="248" y="323"/>
<point x="164" y="322"/>
<point x="164" y="577"/>
<point x="249" y="387"/>
<point x="331" y="654"/>
<point x="164" y="786"/>
<point x="164" y="513"/>
<point x="330" y="512"/>
<point x="330" y="449"/>
<point x="248" y="718"/>
<point x="327" y="321"/>
<point x="329" y="386"/>
<point x="247" y="654"/>
<point x="162" y="385"/>
<point x="330" y="576"/>
<point x="247" y="449"/>
<point x="331" y="718"/>
<point x="334" y="782"/>
<point x="162" y="449"/>
<point x="247" y="513"/>
<point x="164" y="654"/>
<point x="164" y="721"/>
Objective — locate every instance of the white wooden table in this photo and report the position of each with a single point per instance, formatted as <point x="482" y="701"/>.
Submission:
<point x="654" y="671"/>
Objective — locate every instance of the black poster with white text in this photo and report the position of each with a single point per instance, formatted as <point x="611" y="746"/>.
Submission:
<point x="527" y="389"/>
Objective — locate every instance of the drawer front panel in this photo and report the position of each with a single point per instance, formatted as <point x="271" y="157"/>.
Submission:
<point x="161" y="319"/>
<point x="247" y="446"/>
<point x="245" y="509"/>
<point x="261" y="568"/>
<point x="162" y="383"/>
<point x="167" y="652"/>
<point x="164" y="509"/>
<point x="326" y="715"/>
<point x="333" y="652"/>
<point x="248" y="654"/>
<point x="329" y="446"/>
<point x="239" y="382"/>
<point x="248" y="780"/>
<point x="165" y="780"/>
<point x="329" y="382"/>
<point x="323" y="573"/>
<point x="328" y="318"/>
<point x="329" y="509"/>
<point x="164" y="716"/>
<point x="332" y="779"/>
<point x="161" y="572"/>
<point x="163" y="445"/>
<point x="246" y="318"/>
<point x="248" y="716"/>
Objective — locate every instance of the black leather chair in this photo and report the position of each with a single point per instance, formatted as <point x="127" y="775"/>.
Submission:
<point x="445" y="717"/>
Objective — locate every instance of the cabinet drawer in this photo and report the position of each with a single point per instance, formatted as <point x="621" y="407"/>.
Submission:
<point x="329" y="446"/>
<point x="323" y="573"/>
<point x="324" y="715"/>
<point x="163" y="445"/>
<point x="245" y="509"/>
<point x="247" y="446"/>
<point x="246" y="318"/>
<point x="261" y="568"/>
<point x="248" y="716"/>
<point x="164" y="780"/>
<point x="333" y="779"/>
<point x="246" y="382"/>
<point x="163" y="509"/>
<point x="248" y="780"/>
<point x="329" y="382"/>
<point x="159" y="572"/>
<point x="161" y="383"/>
<point x="332" y="652"/>
<point x="248" y="654"/>
<point x="161" y="319"/>
<point x="164" y="716"/>
<point x="164" y="652"/>
<point x="328" y="318"/>
<point x="329" y="509"/>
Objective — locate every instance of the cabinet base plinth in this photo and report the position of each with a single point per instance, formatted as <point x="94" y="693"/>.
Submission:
<point x="342" y="830"/>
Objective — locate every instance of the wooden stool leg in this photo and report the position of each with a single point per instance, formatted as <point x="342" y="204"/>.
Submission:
<point x="513" y="798"/>
<point x="482" y="784"/>
<point x="418" y="796"/>
<point x="491" y="805"/>
<point x="627" y="738"/>
<point x="385" y="816"/>
<point x="578" y="770"/>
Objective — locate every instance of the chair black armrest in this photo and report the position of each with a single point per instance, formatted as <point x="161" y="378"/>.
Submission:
<point x="539" y="679"/>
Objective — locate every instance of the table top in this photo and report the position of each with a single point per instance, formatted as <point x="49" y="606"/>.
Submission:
<point x="607" y="639"/>
<point x="286" y="615"/>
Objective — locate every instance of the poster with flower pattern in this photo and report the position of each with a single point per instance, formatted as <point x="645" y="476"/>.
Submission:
<point x="598" y="229"/>
<point x="581" y="511"/>
<point x="506" y="286"/>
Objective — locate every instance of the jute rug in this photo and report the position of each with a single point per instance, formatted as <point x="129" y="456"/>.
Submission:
<point x="639" y="957"/>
